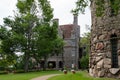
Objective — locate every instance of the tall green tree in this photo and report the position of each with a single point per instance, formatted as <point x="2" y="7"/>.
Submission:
<point x="47" y="32"/>
<point x="21" y="26"/>
<point x="29" y="32"/>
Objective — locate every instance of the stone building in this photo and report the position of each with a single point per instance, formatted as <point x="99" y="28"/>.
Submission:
<point x="105" y="42"/>
<point x="70" y="57"/>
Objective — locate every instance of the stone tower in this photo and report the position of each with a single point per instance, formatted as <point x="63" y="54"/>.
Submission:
<point x="105" y="43"/>
<point x="71" y="35"/>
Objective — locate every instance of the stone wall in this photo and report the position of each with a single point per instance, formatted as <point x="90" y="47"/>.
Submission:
<point x="101" y="52"/>
<point x="71" y="47"/>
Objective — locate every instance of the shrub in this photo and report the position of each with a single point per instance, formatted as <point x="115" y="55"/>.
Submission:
<point x="19" y="71"/>
<point x="84" y="62"/>
<point x="3" y="72"/>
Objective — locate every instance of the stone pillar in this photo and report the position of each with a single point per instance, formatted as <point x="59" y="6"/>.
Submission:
<point x="75" y="19"/>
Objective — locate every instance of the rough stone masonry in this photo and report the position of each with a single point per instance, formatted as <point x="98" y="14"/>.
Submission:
<point x="105" y="43"/>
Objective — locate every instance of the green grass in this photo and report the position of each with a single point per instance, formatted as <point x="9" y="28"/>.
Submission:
<point x="26" y="76"/>
<point x="81" y="75"/>
<point x="78" y="76"/>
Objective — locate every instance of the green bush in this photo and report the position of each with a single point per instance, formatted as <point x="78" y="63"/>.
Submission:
<point x="3" y="72"/>
<point x="84" y="62"/>
<point x="2" y="68"/>
<point x="19" y="71"/>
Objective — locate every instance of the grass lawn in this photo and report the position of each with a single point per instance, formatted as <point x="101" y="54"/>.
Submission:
<point x="26" y="76"/>
<point x="78" y="76"/>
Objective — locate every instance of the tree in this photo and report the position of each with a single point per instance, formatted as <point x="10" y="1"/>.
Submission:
<point x="85" y="44"/>
<point x="29" y="32"/>
<point x="47" y="43"/>
<point x="84" y="61"/>
<point x="7" y="56"/>
<point x="58" y="45"/>
<point x="47" y="33"/>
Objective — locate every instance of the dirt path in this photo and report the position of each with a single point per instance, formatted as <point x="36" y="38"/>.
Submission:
<point x="45" y="77"/>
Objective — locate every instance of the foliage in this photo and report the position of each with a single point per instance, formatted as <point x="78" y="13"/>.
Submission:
<point x="80" y="6"/>
<point x="7" y="57"/>
<point x="58" y="45"/>
<point x="20" y="35"/>
<point x="100" y="8"/>
<point x="29" y="33"/>
<point x="19" y="63"/>
<point x="7" y="60"/>
<point x="115" y="6"/>
<point x="3" y="72"/>
<point x="85" y="44"/>
<point x="47" y="11"/>
<point x="84" y="62"/>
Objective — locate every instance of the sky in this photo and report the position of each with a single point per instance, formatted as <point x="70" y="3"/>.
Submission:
<point x="62" y="11"/>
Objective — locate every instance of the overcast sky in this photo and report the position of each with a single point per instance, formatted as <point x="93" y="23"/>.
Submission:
<point x="62" y="10"/>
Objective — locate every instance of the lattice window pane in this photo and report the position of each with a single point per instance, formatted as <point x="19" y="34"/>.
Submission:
<point x="114" y="51"/>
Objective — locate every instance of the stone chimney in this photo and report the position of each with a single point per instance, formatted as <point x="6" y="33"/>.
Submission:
<point x="75" y="19"/>
<point x="76" y="39"/>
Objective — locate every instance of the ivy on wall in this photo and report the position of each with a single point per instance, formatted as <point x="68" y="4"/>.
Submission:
<point x="115" y="6"/>
<point x="100" y="8"/>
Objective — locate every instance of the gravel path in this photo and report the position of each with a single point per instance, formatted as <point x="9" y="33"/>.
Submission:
<point x="45" y="77"/>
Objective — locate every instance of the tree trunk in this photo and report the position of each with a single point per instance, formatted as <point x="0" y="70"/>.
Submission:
<point x="45" y="63"/>
<point x="28" y="52"/>
<point x="26" y="63"/>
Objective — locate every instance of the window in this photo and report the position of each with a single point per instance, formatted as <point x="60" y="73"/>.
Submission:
<point x="114" y="56"/>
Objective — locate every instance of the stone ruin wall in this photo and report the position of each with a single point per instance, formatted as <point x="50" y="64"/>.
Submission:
<point x="101" y="31"/>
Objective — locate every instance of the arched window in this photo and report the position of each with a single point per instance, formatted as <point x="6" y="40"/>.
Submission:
<point x="114" y="55"/>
